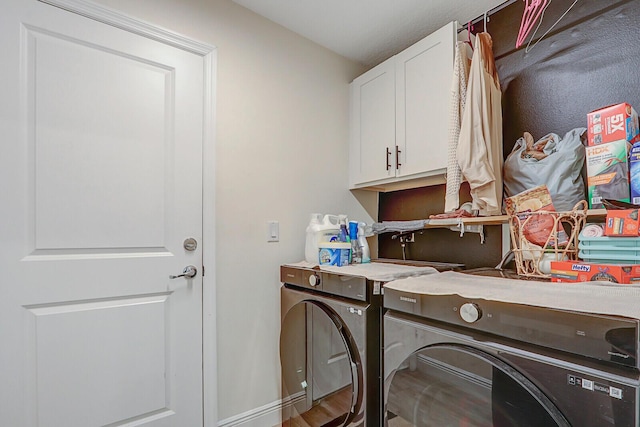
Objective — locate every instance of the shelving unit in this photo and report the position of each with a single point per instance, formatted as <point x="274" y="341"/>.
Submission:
<point x="492" y="220"/>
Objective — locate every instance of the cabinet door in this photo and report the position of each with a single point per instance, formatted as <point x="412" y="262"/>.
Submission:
<point x="373" y="121"/>
<point x="423" y="85"/>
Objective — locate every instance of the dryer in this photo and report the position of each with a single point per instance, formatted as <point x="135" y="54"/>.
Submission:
<point x="330" y="349"/>
<point x="331" y="341"/>
<point x="462" y="359"/>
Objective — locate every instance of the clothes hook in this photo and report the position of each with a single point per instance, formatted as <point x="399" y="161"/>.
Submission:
<point x="469" y="31"/>
<point x="528" y="49"/>
<point x="486" y="19"/>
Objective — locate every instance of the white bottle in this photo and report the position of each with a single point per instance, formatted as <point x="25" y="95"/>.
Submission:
<point x="320" y="229"/>
<point x="329" y="228"/>
<point x="364" y="245"/>
<point x="311" y="243"/>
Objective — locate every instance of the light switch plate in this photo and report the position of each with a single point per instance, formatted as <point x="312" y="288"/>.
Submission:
<point x="273" y="231"/>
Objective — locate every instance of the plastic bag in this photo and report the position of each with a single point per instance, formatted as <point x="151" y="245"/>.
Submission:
<point x="551" y="161"/>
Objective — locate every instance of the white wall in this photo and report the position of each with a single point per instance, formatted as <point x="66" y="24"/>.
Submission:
<point x="282" y="132"/>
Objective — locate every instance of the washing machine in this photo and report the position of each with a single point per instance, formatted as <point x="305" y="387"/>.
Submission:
<point x="331" y="342"/>
<point x="461" y="357"/>
<point x="330" y="349"/>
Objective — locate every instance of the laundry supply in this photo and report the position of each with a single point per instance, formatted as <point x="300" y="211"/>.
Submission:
<point x="343" y="236"/>
<point x="320" y="229"/>
<point x="356" y="250"/>
<point x="362" y="242"/>
<point x="311" y="243"/>
<point x="613" y="123"/>
<point x="634" y="173"/>
<point x="608" y="172"/>
<point x="334" y="253"/>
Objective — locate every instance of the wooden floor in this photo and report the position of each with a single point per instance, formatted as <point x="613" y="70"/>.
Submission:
<point x="330" y="411"/>
<point x="410" y="404"/>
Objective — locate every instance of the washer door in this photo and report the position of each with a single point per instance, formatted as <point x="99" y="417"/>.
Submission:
<point x="459" y="385"/>
<point x="321" y="367"/>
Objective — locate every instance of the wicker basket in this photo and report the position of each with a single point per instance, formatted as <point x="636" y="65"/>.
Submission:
<point x="533" y="260"/>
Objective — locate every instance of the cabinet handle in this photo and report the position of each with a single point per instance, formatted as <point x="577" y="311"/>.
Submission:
<point x="388" y="154"/>
<point x="398" y="151"/>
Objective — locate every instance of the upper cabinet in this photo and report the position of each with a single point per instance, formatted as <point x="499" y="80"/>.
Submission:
<point x="400" y="115"/>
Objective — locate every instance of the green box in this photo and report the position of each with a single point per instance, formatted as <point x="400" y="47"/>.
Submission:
<point x="608" y="172"/>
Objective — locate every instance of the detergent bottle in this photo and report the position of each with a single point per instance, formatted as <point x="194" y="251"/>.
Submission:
<point x="311" y="244"/>
<point x="320" y="229"/>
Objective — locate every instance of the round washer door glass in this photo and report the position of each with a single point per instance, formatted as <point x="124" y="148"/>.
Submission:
<point x="452" y="385"/>
<point x="321" y="367"/>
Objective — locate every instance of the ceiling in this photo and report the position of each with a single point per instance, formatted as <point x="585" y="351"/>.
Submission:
<point x="367" y="31"/>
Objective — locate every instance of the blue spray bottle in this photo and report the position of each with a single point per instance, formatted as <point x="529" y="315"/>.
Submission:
<point x="356" y="250"/>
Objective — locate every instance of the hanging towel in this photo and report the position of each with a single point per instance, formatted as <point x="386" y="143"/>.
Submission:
<point x="461" y="67"/>
<point x="480" y="144"/>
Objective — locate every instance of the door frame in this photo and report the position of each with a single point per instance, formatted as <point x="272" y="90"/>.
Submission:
<point x="208" y="53"/>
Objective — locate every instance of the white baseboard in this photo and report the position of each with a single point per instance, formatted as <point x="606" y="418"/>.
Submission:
<point x="269" y="415"/>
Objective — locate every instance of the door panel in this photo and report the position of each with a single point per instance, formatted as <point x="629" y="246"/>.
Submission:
<point x="84" y="345"/>
<point x="102" y="174"/>
<point x="373" y="125"/>
<point x="423" y="89"/>
<point x="74" y="206"/>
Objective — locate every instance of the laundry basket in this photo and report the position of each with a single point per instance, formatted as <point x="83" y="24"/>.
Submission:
<point x="534" y="260"/>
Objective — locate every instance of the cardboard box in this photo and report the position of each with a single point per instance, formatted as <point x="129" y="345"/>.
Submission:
<point x="634" y="172"/>
<point x="608" y="172"/>
<point x="621" y="222"/>
<point x="576" y="271"/>
<point x="613" y="123"/>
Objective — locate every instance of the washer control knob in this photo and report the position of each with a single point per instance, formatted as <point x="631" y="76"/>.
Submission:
<point x="470" y="312"/>
<point x="314" y="280"/>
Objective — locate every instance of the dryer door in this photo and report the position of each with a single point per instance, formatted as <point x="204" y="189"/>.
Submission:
<point x="459" y="385"/>
<point x="322" y="374"/>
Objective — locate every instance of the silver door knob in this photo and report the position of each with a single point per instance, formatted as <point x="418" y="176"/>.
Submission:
<point x="189" y="272"/>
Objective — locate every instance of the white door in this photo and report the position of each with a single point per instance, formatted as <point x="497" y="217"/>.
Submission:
<point x="101" y="136"/>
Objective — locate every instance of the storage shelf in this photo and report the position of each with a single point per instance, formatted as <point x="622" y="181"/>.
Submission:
<point x="492" y="220"/>
<point x="478" y="220"/>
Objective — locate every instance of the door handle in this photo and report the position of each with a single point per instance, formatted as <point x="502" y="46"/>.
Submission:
<point x="388" y="154"/>
<point x="189" y="272"/>
<point x="356" y="392"/>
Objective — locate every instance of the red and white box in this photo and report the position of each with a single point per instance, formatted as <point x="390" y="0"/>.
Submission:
<point x="576" y="271"/>
<point x="613" y="123"/>
<point x="622" y="222"/>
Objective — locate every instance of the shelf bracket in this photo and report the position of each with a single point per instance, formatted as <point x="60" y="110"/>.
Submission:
<point x="469" y="228"/>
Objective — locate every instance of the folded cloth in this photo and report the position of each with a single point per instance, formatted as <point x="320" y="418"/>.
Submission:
<point x="390" y="226"/>
<point x="593" y="230"/>
<point x="382" y="272"/>
<point x="458" y="213"/>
